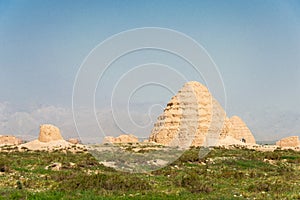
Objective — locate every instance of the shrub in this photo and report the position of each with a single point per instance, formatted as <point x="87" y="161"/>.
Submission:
<point x="191" y="155"/>
<point x="3" y="167"/>
<point x="114" y="182"/>
<point x="19" y="185"/>
<point x="193" y="182"/>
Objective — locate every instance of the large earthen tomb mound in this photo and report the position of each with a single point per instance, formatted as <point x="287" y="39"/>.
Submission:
<point x="194" y="118"/>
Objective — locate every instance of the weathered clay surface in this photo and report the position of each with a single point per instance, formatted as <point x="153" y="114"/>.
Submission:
<point x="49" y="133"/>
<point x="74" y="140"/>
<point x="194" y="117"/>
<point x="292" y="141"/>
<point x="121" y="139"/>
<point x="239" y="130"/>
<point x="9" y="140"/>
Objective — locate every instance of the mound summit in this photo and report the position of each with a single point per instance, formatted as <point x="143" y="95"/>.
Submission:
<point x="49" y="133"/>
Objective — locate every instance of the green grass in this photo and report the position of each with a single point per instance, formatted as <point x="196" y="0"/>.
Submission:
<point x="222" y="174"/>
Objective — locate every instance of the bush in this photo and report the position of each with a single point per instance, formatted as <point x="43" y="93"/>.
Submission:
<point x="19" y="185"/>
<point x="191" y="155"/>
<point x="3" y="167"/>
<point x="192" y="182"/>
<point x="260" y="187"/>
<point x="277" y="186"/>
<point x="114" y="182"/>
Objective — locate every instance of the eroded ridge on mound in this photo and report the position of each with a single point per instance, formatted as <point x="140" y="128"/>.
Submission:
<point x="194" y="117"/>
<point x="121" y="139"/>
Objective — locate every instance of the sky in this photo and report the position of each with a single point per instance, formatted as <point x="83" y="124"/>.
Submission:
<point x="255" y="45"/>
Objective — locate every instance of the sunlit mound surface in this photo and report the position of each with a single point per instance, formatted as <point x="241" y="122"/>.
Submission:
<point x="37" y="145"/>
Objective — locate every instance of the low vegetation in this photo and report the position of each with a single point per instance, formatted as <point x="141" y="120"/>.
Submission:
<point x="221" y="174"/>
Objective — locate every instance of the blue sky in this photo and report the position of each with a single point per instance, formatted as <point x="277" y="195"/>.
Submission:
<point x="255" y="44"/>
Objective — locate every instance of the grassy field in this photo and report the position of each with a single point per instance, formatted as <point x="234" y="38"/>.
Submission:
<point x="222" y="174"/>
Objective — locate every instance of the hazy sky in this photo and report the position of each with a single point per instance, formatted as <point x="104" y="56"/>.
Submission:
<point x="255" y="44"/>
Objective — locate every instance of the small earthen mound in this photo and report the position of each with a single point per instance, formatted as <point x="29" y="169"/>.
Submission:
<point x="49" y="133"/>
<point x="121" y="139"/>
<point x="9" y="140"/>
<point x="50" y="139"/>
<point x="74" y="140"/>
<point x="292" y="141"/>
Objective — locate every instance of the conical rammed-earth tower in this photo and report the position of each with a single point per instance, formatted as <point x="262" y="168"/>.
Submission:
<point x="194" y="118"/>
